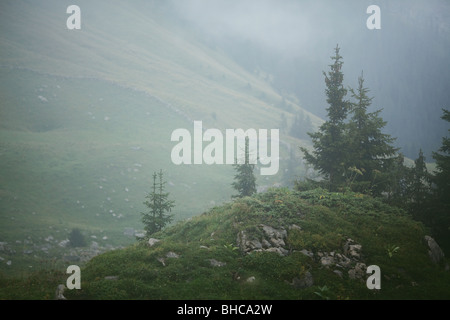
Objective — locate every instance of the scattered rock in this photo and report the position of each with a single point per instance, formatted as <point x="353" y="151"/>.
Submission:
<point x="138" y="235"/>
<point x="216" y="263"/>
<point x="352" y="249"/>
<point x="281" y="251"/>
<point x="295" y="227"/>
<point x="42" y="98"/>
<point x="272" y="241"/>
<point x="266" y="244"/>
<point x="250" y="279"/>
<point x="434" y="251"/>
<point x="276" y="236"/>
<point x="327" y="261"/>
<point x="59" y="295"/>
<point x="162" y="261"/>
<point x="338" y="272"/>
<point x="254" y="245"/>
<point x="358" y="272"/>
<point x="94" y="245"/>
<point x="342" y="261"/>
<point x="64" y="243"/>
<point x="172" y="254"/>
<point x="153" y="241"/>
<point x="242" y="241"/>
<point x="305" y="281"/>
<point x="307" y="253"/>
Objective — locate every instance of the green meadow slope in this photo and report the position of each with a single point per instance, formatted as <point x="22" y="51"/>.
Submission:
<point x="86" y="117"/>
<point x="281" y="244"/>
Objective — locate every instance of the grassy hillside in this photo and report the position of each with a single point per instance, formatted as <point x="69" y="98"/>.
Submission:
<point x="138" y="45"/>
<point x="84" y="158"/>
<point x="86" y="118"/>
<point x="304" y="253"/>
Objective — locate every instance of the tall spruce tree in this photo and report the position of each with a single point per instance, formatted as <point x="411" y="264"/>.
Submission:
<point x="370" y="151"/>
<point x="159" y="206"/>
<point x="329" y="156"/>
<point x="245" y="180"/>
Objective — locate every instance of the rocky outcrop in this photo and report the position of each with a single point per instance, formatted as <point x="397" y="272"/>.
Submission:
<point x="349" y="260"/>
<point x="434" y="251"/>
<point x="272" y="240"/>
<point x="346" y="261"/>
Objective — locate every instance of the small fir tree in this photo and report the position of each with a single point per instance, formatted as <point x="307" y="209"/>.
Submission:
<point x="159" y="206"/>
<point x="420" y="181"/>
<point x="76" y="238"/>
<point x="245" y="181"/>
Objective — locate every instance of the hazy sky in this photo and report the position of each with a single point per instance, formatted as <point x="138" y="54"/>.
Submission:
<point x="405" y="63"/>
<point x="286" y="26"/>
<point x="296" y="27"/>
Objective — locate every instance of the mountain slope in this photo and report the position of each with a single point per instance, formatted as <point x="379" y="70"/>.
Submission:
<point x="127" y="44"/>
<point x="86" y="118"/>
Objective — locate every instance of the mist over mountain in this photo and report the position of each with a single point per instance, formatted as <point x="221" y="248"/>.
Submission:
<point x="86" y="118"/>
<point x="405" y="63"/>
<point x="89" y="114"/>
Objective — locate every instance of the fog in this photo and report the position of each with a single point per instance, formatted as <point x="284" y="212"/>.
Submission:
<point x="403" y="62"/>
<point x="287" y="28"/>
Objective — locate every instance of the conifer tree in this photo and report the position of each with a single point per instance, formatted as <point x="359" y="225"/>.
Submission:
<point x="394" y="180"/>
<point x="245" y="181"/>
<point x="438" y="213"/>
<point x="159" y="206"/>
<point x="369" y="150"/>
<point x="419" y="188"/>
<point x="291" y="163"/>
<point x="76" y="238"/>
<point x="420" y="180"/>
<point x="330" y="153"/>
<point x="442" y="158"/>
